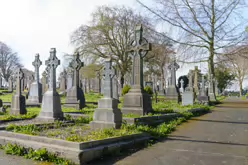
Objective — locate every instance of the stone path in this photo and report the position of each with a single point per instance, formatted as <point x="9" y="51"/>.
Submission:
<point x="218" y="138"/>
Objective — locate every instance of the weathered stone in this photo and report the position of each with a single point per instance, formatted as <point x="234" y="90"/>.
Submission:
<point x="107" y="115"/>
<point x="18" y="104"/>
<point x="75" y="95"/>
<point x="187" y="97"/>
<point x="63" y="81"/>
<point x="10" y="88"/>
<point x="44" y="82"/>
<point x="35" y="92"/>
<point x="51" y="103"/>
<point x="196" y="85"/>
<point x="137" y="101"/>
<point x="203" y="97"/>
<point x="211" y="87"/>
<point x="182" y="85"/>
<point x="172" y="92"/>
<point x="70" y="76"/>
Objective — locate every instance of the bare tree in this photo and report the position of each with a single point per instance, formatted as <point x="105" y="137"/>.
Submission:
<point x="236" y="60"/>
<point x="9" y="61"/>
<point x="108" y="35"/>
<point x="205" y="26"/>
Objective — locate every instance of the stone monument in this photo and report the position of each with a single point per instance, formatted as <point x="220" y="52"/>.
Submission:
<point x="196" y="85"/>
<point x="70" y="76"/>
<point x="137" y="101"/>
<point x="203" y="97"/>
<point x="10" y="88"/>
<point x="107" y="115"/>
<point x="51" y="104"/>
<point x="211" y="87"/>
<point x="44" y="82"/>
<point x="35" y="92"/>
<point x="63" y="81"/>
<point x="75" y="95"/>
<point x="172" y="90"/>
<point x="18" y="104"/>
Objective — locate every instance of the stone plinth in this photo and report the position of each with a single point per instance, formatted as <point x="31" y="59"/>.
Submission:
<point x="138" y="102"/>
<point x="51" y="106"/>
<point x="75" y="98"/>
<point x="35" y="93"/>
<point x="107" y="115"/>
<point x="187" y="98"/>
<point x="18" y="105"/>
<point x="172" y="93"/>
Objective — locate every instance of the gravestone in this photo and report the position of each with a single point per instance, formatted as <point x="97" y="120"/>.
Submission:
<point x="211" y="87"/>
<point x="107" y="115"/>
<point x="44" y="82"/>
<point x="35" y="91"/>
<point x="182" y="85"/>
<point x="31" y="79"/>
<point x="18" y="104"/>
<point x="137" y="101"/>
<point x="203" y="97"/>
<point x="187" y="95"/>
<point x="161" y="87"/>
<point x="63" y="81"/>
<point x="10" y="88"/>
<point x="51" y="104"/>
<point x="115" y="91"/>
<point x="69" y="78"/>
<point x="196" y="85"/>
<point x="172" y="90"/>
<point x="75" y="95"/>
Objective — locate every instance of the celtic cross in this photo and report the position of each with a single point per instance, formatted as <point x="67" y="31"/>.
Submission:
<point x="139" y="48"/>
<point x="76" y="64"/>
<point x="109" y="73"/>
<point x="19" y="77"/>
<point x="173" y="67"/>
<point x="37" y="63"/>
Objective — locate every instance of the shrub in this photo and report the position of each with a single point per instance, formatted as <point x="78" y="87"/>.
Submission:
<point x="125" y="89"/>
<point x="148" y="90"/>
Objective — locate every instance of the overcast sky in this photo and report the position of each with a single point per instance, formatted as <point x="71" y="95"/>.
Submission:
<point x="35" y="26"/>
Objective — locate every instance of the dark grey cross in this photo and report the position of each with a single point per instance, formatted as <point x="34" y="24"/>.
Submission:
<point x="53" y="62"/>
<point x="139" y="48"/>
<point x="109" y="73"/>
<point x="173" y="68"/>
<point x="19" y="77"/>
<point x="37" y="63"/>
<point x="76" y="64"/>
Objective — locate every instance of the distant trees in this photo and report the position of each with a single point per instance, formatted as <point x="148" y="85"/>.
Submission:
<point x="9" y="61"/>
<point x="107" y="36"/>
<point x="205" y="27"/>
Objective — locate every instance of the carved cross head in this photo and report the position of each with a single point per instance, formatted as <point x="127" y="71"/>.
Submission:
<point x="174" y="66"/>
<point x="53" y="61"/>
<point x="37" y="62"/>
<point x="19" y="74"/>
<point x="109" y="71"/>
<point x="76" y="62"/>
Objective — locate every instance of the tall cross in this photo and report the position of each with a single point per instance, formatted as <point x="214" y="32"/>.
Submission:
<point x="37" y="63"/>
<point x="109" y="73"/>
<point x="173" y="68"/>
<point x="139" y="48"/>
<point x="76" y="64"/>
<point x="19" y="77"/>
<point x="52" y="63"/>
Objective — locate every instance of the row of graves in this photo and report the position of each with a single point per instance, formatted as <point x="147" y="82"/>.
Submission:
<point x="81" y="146"/>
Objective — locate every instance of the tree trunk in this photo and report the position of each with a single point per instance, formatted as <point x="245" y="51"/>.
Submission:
<point x="211" y="66"/>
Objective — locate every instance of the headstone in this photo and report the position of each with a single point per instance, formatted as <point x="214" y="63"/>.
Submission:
<point x="203" y="97"/>
<point x="63" y="81"/>
<point x="51" y="103"/>
<point x="137" y="101"/>
<point x="187" y="97"/>
<point x="182" y="85"/>
<point x="10" y="88"/>
<point x="35" y="92"/>
<point x="75" y="95"/>
<point x="18" y="104"/>
<point x="69" y="78"/>
<point x="196" y="85"/>
<point x="107" y="115"/>
<point x="211" y="87"/>
<point x="44" y="82"/>
<point x="172" y="90"/>
<point x="31" y="79"/>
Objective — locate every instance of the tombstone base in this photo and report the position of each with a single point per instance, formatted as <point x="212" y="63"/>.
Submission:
<point x="211" y="96"/>
<point x="203" y="100"/>
<point x="35" y="93"/>
<point x="188" y="98"/>
<point x="138" y="102"/>
<point x="107" y="115"/>
<point x="161" y="93"/>
<point x="75" y="98"/>
<point x="18" y="105"/>
<point x="51" y="106"/>
<point x="172" y="93"/>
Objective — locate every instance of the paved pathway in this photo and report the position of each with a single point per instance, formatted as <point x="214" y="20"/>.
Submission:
<point x="218" y="138"/>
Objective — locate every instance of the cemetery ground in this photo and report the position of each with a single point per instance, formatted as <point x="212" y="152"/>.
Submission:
<point x="75" y="131"/>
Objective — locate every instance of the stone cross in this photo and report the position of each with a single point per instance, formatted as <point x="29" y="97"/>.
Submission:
<point x="139" y="48"/>
<point x="44" y="81"/>
<point x="76" y="65"/>
<point x="109" y="73"/>
<point x="190" y="78"/>
<point x="173" y="67"/>
<point x="10" y="89"/>
<point x="182" y="84"/>
<point x="53" y="62"/>
<point x="19" y="77"/>
<point x="37" y="63"/>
